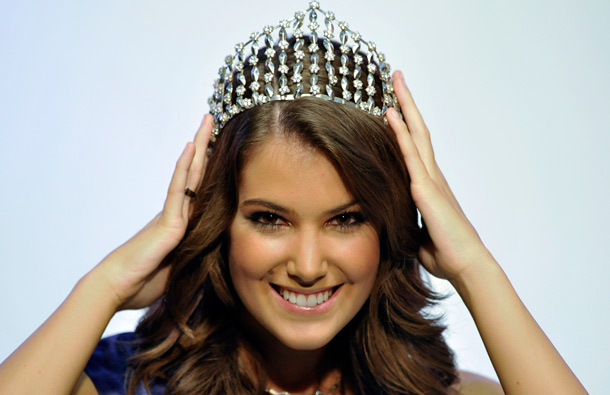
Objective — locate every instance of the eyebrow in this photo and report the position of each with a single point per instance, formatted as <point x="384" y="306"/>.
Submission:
<point x="284" y="210"/>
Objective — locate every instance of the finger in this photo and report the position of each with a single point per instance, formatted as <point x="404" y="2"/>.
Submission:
<point x="415" y="122"/>
<point x="175" y="194"/>
<point x="415" y="166"/>
<point x="202" y="137"/>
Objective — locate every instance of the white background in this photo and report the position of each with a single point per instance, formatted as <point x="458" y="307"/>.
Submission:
<point x="97" y="100"/>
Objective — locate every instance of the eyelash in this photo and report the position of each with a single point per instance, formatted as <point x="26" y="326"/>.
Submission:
<point x="354" y="219"/>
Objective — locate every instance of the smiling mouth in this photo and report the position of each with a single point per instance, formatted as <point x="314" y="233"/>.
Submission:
<point x="305" y="300"/>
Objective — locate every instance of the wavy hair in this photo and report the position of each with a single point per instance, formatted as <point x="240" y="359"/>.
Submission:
<point x="192" y="340"/>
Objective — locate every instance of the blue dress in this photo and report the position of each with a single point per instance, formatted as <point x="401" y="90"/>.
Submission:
<point x="107" y="367"/>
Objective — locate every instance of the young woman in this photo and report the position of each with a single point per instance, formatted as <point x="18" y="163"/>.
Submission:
<point x="287" y="260"/>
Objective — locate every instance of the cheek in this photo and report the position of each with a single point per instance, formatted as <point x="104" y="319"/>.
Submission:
<point x="360" y="258"/>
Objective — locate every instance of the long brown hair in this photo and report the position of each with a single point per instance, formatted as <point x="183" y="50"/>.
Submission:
<point x="192" y="340"/>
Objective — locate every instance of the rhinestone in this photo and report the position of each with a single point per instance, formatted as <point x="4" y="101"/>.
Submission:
<point x="234" y="110"/>
<point x="299" y="55"/>
<point x="227" y="98"/>
<point x="381" y="57"/>
<point x="370" y="90"/>
<point x="371" y="67"/>
<point x="356" y="36"/>
<point x="314" y="5"/>
<point x="299" y="15"/>
<point x="254" y="36"/>
<point x="329" y="34"/>
<point x="358" y="59"/>
<point x="240" y="90"/>
<point x="329" y="92"/>
<point x="255" y="73"/>
<point x="372" y="46"/>
<point x="370" y="80"/>
<point x="314" y="90"/>
<point x="229" y="88"/>
<point x="283" y="35"/>
<point x="347" y="95"/>
<point x="228" y="59"/>
<point x="344" y="49"/>
<point x="357" y="72"/>
<point x="330" y="70"/>
<point x="284" y="24"/>
<point x="239" y="66"/>
<point x="343" y="25"/>
<point x="283" y="68"/>
<point x="269" y="65"/>
<point x="314" y="79"/>
<point x="283" y="44"/>
<point x="269" y="90"/>
<point x="298" y="68"/>
<point x="333" y="79"/>
<point x="283" y="57"/>
<point x="239" y="47"/>
<point x="343" y="70"/>
<point x="313" y="26"/>
<point x="253" y="60"/>
<point x="296" y="78"/>
<point x="268" y="77"/>
<point x="313" y="47"/>
<point x="284" y="90"/>
<point x="298" y="91"/>
<point x="313" y="15"/>
<point x="268" y="29"/>
<point x="241" y="78"/>
<point x="328" y="45"/>
<point x="357" y="84"/>
<point x="314" y="68"/>
<point x="343" y="37"/>
<point x="247" y="103"/>
<point x="369" y="104"/>
<point x="357" y="97"/>
<point x="298" y="45"/>
<point x="329" y="56"/>
<point x="315" y="58"/>
<point x="344" y="83"/>
<point x="224" y="117"/>
<point x="270" y="52"/>
<point x="263" y="99"/>
<point x="297" y="33"/>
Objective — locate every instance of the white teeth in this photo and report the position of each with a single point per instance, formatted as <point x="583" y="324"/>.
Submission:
<point x="302" y="300"/>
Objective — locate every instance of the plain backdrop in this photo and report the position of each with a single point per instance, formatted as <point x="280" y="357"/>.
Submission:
<point x="97" y="100"/>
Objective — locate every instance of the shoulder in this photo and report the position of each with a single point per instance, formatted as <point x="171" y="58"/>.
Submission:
<point x="471" y="384"/>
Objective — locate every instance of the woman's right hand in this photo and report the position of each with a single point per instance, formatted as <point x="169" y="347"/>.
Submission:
<point x="132" y="272"/>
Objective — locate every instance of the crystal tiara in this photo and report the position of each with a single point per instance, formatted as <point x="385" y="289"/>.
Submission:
<point x="237" y="90"/>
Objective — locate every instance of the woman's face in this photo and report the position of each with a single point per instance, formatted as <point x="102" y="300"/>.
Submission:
<point x="303" y="258"/>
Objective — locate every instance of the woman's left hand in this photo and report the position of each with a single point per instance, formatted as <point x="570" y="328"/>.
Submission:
<point x="453" y="247"/>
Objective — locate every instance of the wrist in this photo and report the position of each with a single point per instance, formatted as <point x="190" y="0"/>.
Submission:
<point x="484" y="272"/>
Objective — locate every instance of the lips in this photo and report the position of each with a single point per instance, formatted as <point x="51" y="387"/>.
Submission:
<point x="305" y="298"/>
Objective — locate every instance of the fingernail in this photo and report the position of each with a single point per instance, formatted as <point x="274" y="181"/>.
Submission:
<point x="402" y="78"/>
<point x="392" y="112"/>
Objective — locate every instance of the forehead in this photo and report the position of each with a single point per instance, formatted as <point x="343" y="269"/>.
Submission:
<point x="286" y="169"/>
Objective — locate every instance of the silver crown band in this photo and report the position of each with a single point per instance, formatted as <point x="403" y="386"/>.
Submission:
<point x="247" y="80"/>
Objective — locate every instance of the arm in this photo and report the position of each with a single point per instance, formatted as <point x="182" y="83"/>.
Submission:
<point x="52" y="359"/>
<point x="523" y="357"/>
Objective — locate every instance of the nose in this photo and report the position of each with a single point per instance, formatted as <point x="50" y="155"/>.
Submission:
<point x="307" y="263"/>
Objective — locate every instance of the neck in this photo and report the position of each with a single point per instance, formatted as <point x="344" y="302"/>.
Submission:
<point x="299" y="372"/>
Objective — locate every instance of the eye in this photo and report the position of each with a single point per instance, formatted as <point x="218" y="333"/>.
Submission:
<point x="267" y="219"/>
<point x="347" y="220"/>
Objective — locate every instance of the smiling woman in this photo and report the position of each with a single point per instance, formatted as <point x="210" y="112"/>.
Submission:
<point x="287" y="257"/>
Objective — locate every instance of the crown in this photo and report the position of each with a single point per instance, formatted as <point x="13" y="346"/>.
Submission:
<point x="256" y="75"/>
